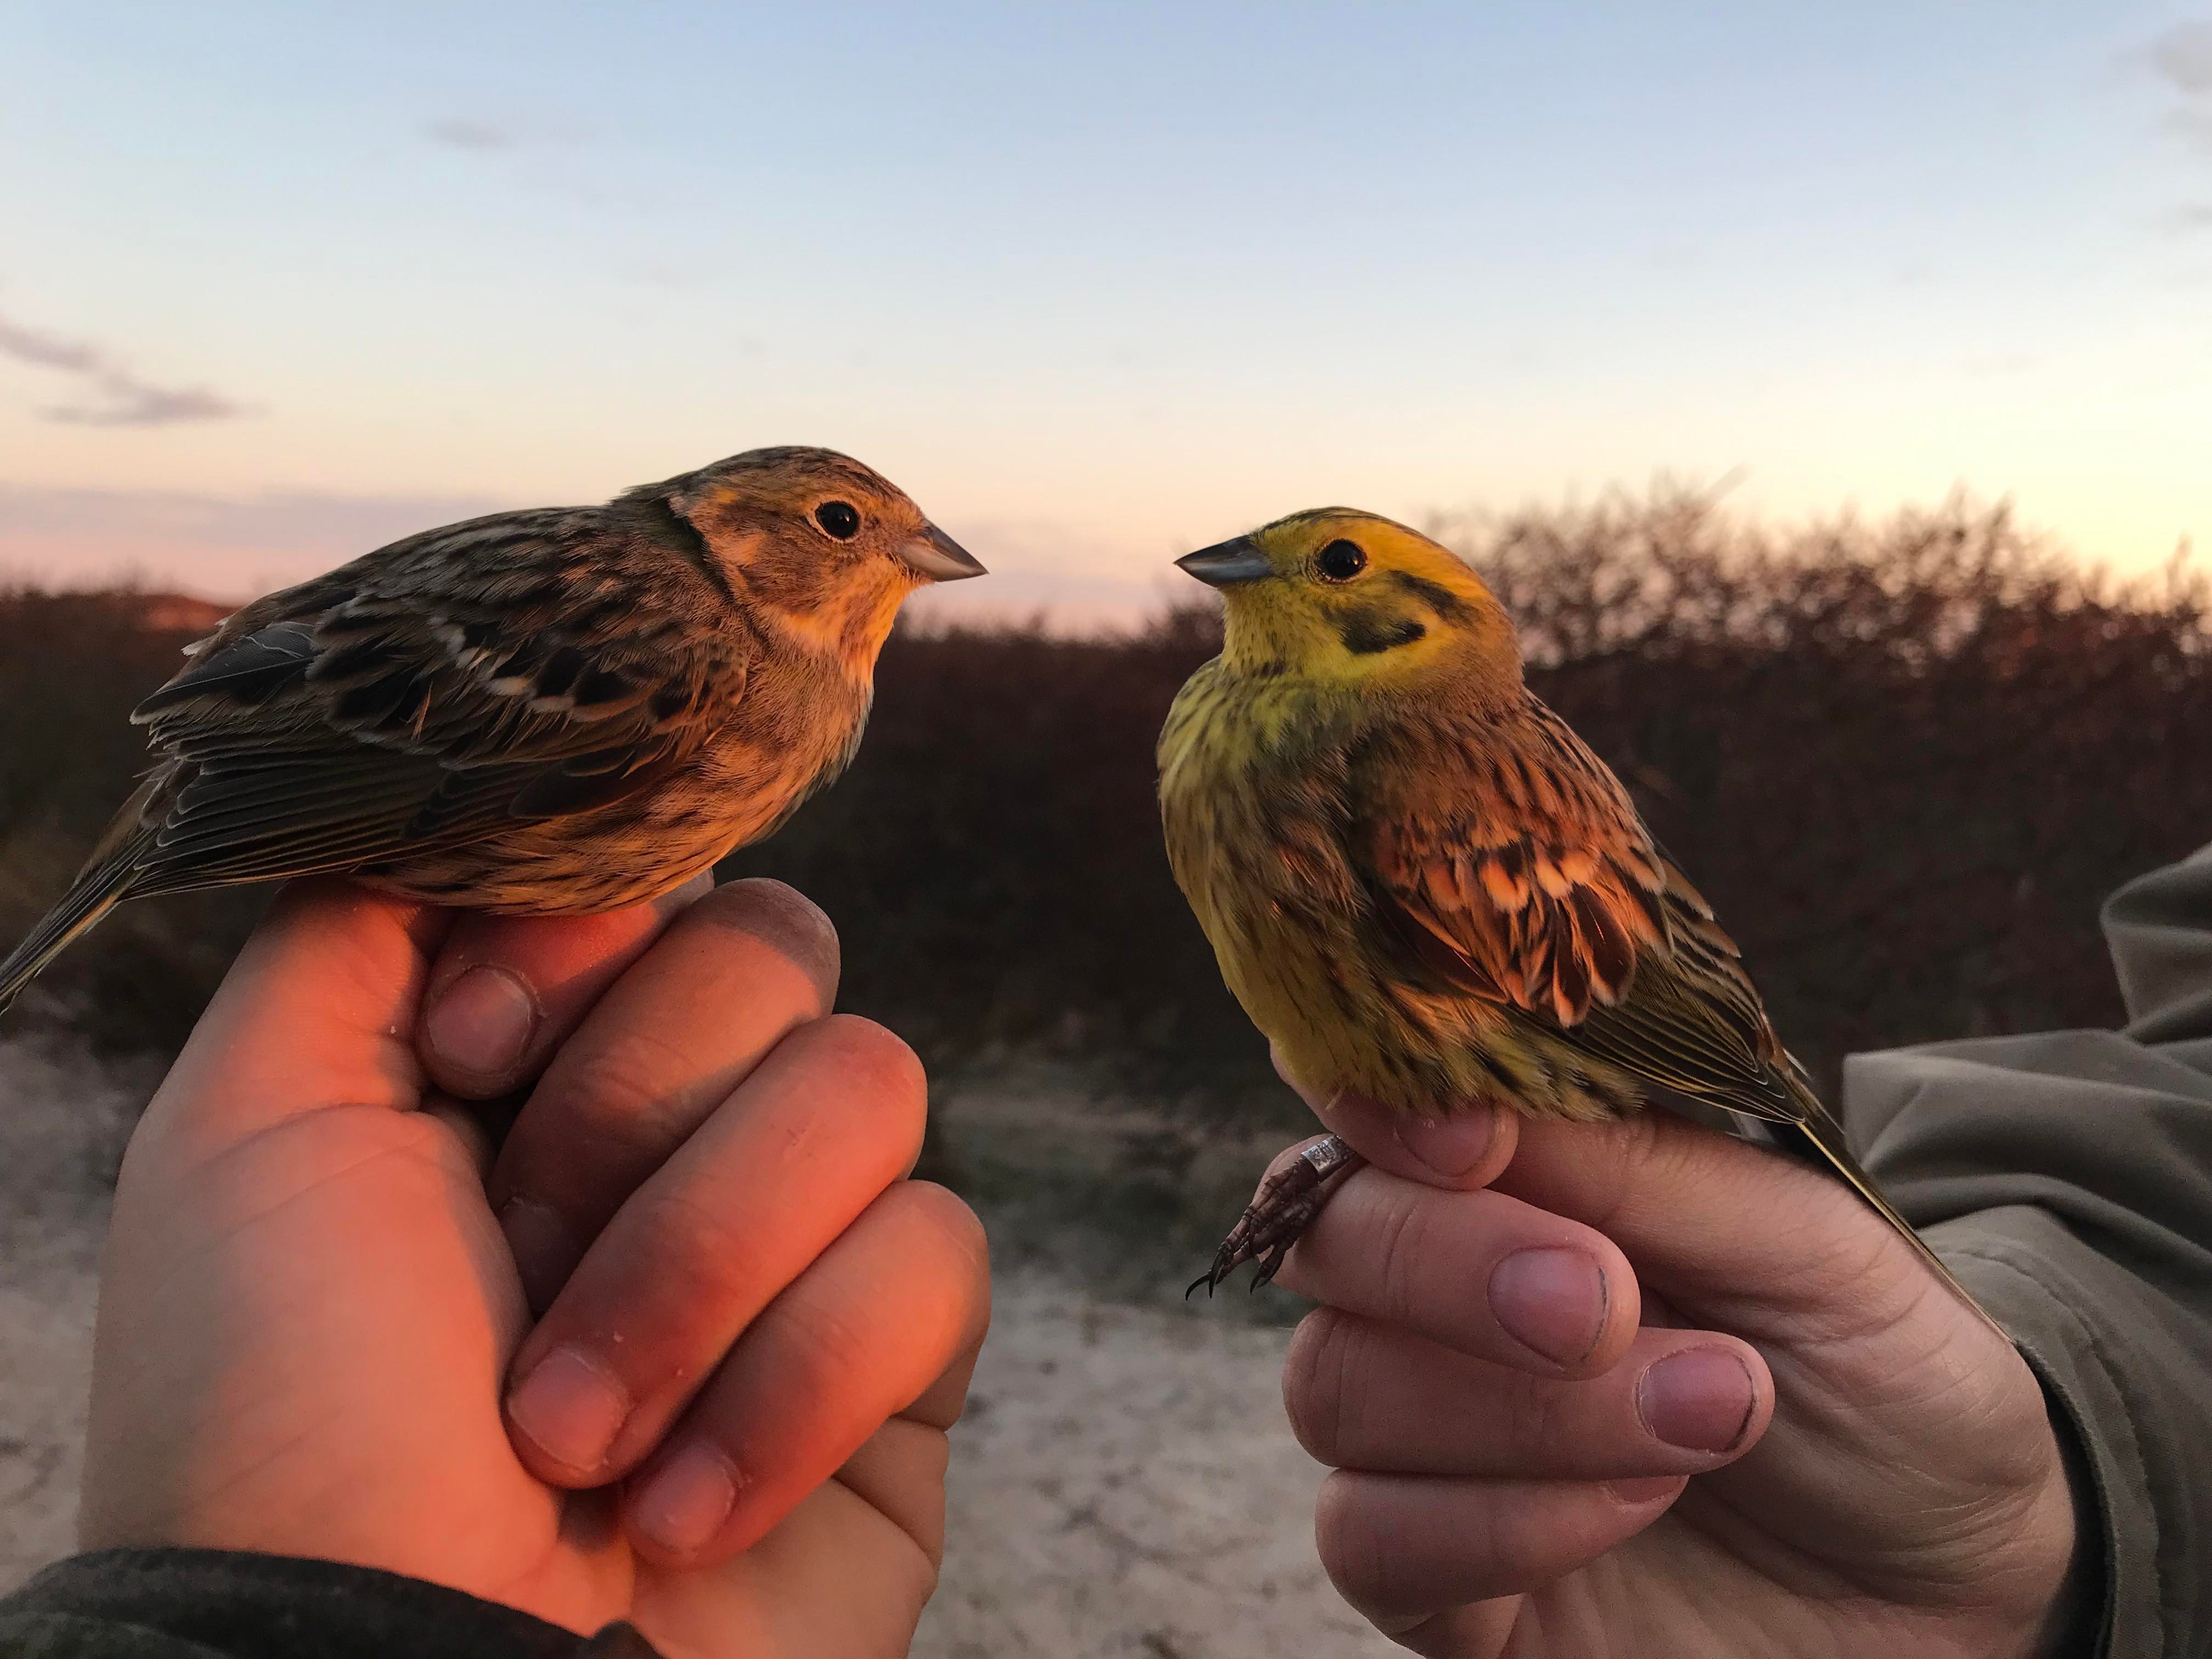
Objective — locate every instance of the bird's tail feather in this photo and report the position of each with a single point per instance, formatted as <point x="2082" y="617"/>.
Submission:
<point x="96" y="891"/>
<point x="1818" y="1138"/>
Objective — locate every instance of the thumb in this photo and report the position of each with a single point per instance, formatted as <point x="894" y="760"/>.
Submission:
<point x="1726" y="1231"/>
<point x="319" y="1010"/>
<point x="1722" y="1229"/>
<point x="1460" y="1149"/>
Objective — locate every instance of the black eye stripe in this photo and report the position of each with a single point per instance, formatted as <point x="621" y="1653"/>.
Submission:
<point x="1451" y="608"/>
<point x="1365" y="633"/>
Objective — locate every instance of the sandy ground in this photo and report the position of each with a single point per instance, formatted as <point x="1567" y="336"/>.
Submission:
<point x="1124" y="1483"/>
<point x="62" y="1123"/>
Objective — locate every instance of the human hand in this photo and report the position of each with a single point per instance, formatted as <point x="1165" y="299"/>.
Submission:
<point x="1775" y="1432"/>
<point x="728" y="1424"/>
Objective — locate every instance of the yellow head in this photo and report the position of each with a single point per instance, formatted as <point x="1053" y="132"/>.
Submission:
<point x="1337" y="594"/>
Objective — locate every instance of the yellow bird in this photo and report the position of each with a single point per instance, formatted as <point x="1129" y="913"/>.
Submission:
<point x="556" y="710"/>
<point x="1422" y="886"/>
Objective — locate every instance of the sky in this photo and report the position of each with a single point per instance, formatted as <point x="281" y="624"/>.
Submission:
<point x="1095" y="283"/>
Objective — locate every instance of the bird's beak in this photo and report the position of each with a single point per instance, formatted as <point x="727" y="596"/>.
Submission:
<point x="940" y="558"/>
<point x="1227" y="563"/>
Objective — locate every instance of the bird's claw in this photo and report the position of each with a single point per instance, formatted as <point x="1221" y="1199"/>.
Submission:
<point x="1282" y="1210"/>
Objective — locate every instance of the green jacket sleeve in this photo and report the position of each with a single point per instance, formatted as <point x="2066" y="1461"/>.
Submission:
<point x="2067" y="1179"/>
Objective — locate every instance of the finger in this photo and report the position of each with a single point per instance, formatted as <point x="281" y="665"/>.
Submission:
<point x="318" y="1010"/>
<point x="900" y="1469"/>
<point x="1403" y="1548"/>
<point x="1481" y="1630"/>
<point x="664" y="1047"/>
<point x="941" y="1404"/>
<point x="899" y="1472"/>
<point x="507" y="991"/>
<point x="1484" y="1274"/>
<point x="831" y="1580"/>
<point x="829" y="1119"/>
<point x="1365" y="1395"/>
<point x="1460" y="1152"/>
<point x="1738" y="1236"/>
<point x="1463" y="1146"/>
<point x="466" y="1125"/>
<point x="888" y="1308"/>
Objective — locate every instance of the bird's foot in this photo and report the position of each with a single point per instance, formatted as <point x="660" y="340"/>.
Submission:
<point x="1279" y="1211"/>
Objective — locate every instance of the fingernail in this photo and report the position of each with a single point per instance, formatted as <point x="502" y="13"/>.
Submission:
<point x="539" y="1241"/>
<point x="1643" y="1488"/>
<point x="1700" y="1400"/>
<point x="1451" y="1147"/>
<point x="481" y="1022"/>
<point x="571" y="1408"/>
<point x="684" y="1503"/>
<point x="1552" y="1299"/>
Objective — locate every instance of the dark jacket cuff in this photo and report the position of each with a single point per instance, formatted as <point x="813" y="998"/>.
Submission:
<point x="216" y="1604"/>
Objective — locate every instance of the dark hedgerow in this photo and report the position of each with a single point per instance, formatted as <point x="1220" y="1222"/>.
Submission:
<point x="1905" y="760"/>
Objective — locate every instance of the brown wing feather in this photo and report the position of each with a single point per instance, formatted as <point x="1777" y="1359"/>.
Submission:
<point x="1514" y="865"/>
<point x="1535" y="885"/>
<point x="385" y="708"/>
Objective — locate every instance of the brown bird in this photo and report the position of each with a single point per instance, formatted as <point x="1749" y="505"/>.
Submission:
<point x="558" y="710"/>
<point x="1424" y="887"/>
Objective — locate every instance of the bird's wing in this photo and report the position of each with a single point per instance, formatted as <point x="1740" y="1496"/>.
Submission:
<point x="1517" y="869"/>
<point x="430" y="694"/>
<point x="1512" y="864"/>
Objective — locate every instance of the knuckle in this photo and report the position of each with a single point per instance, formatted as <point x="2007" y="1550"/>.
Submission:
<point x="1628" y="1147"/>
<point x="1350" y="1536"/>
<point x="949" y="1216"/>
<point x="1402" y="1553"/>
<point x="1318" y="1374"/>
<point x="875" y="1060"/>
<point x="821" y="1352"/>
<point x="780" y="917"/>
<point x="699" y="1258"/>
<point x="1401" y="1253"/>
<point x="1506" y="1551"/>
<point x="1538" y="1412"/>
<point x="624" y="1092"/>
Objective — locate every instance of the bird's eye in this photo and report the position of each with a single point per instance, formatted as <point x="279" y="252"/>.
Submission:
<point x="1340" y="561"/>
<point x="838" y="518"/>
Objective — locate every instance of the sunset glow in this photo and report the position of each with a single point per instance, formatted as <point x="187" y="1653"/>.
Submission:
<point x="1095" y="284"/>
